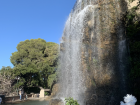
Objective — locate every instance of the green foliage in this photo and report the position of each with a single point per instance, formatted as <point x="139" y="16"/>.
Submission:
<point x="132" y="24"/>
<point x="93" y="82"/>
<point x="46" y="93"/>
<point x="71" y="101"/>
<point x="94" y="60"/>
<point x="7" y="72"/>
<point x="51" y="79"/>
<point x="131" y="1"/>
<point x="35" y="61"/>
<point x="132" y="28"/>
<point x="135" y="47"/>
<point x="29" y="90"/>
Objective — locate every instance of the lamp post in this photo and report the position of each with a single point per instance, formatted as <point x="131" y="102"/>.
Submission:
<point x="17" y="84"/>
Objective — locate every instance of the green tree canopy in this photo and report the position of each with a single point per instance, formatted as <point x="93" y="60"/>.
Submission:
<point x="34" y="61"/>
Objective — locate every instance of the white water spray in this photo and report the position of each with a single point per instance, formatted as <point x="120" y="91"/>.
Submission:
<point x="72" y="83"/>
<point x="129" y="100"/>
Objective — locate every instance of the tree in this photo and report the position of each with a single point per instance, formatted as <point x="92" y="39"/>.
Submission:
<point x="34" y="61"/>
<point x="6" y="79"/>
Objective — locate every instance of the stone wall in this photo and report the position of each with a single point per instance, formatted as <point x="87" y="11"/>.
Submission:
<point x="14" y="98"/>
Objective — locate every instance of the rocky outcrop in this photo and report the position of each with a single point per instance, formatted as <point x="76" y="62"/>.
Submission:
<point x="103" y="51"/>
<point x="132" y="4"/>
<point x="56" y="102"/>
<point x="100" y="54"/>
<point x="55" y="90"/>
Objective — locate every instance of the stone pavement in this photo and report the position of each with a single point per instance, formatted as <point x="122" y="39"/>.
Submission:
<point x="18" y="101"/>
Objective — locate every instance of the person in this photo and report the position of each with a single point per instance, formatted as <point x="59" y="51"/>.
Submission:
<point x="20" y="94"/>
<point x="25" y="95"/>
<point x="0" y="100"/>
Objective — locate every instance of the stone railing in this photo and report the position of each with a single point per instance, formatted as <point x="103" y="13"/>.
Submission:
<point x="14" y="98"/>
<point x="35" y="95"/>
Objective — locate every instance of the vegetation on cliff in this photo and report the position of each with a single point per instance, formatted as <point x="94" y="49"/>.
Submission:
<point x="71" y="101"/>
<point x="132" y="23"/>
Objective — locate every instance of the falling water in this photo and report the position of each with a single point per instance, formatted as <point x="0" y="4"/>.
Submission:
<point x="122" y="60"/>
<point x="71" y="74"/>
<point x="75" y="80"/>
<point x="122" y="63"/>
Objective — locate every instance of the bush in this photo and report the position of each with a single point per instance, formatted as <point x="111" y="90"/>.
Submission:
<point x="71" y="101"/>
<point x="46" y="93"/>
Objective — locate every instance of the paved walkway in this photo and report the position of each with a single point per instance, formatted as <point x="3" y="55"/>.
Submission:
<point x="17" y="101"/>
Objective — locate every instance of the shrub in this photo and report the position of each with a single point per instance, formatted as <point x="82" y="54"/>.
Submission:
<point x="71" y="101"/>
<point x="46" y="93"/>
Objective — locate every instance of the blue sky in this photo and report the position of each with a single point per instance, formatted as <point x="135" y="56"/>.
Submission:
<point x="30" y="19"/>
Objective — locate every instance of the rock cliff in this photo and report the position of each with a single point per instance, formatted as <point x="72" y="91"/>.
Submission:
<point x="102" y="53"/>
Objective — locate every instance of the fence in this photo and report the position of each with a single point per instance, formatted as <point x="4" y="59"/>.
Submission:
<point x="14" y="98"/>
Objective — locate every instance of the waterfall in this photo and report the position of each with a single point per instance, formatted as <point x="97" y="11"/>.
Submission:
<point x="122" y="59"/>
<point x="93" y="54"/>
<point x="122" y="64"/>
<point x="72" y="83"/>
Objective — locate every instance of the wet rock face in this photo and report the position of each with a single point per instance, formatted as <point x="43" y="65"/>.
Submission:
<point x="55" y="90"/>
<point x="100" y="52"/>
<point x="56" y="102"/>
